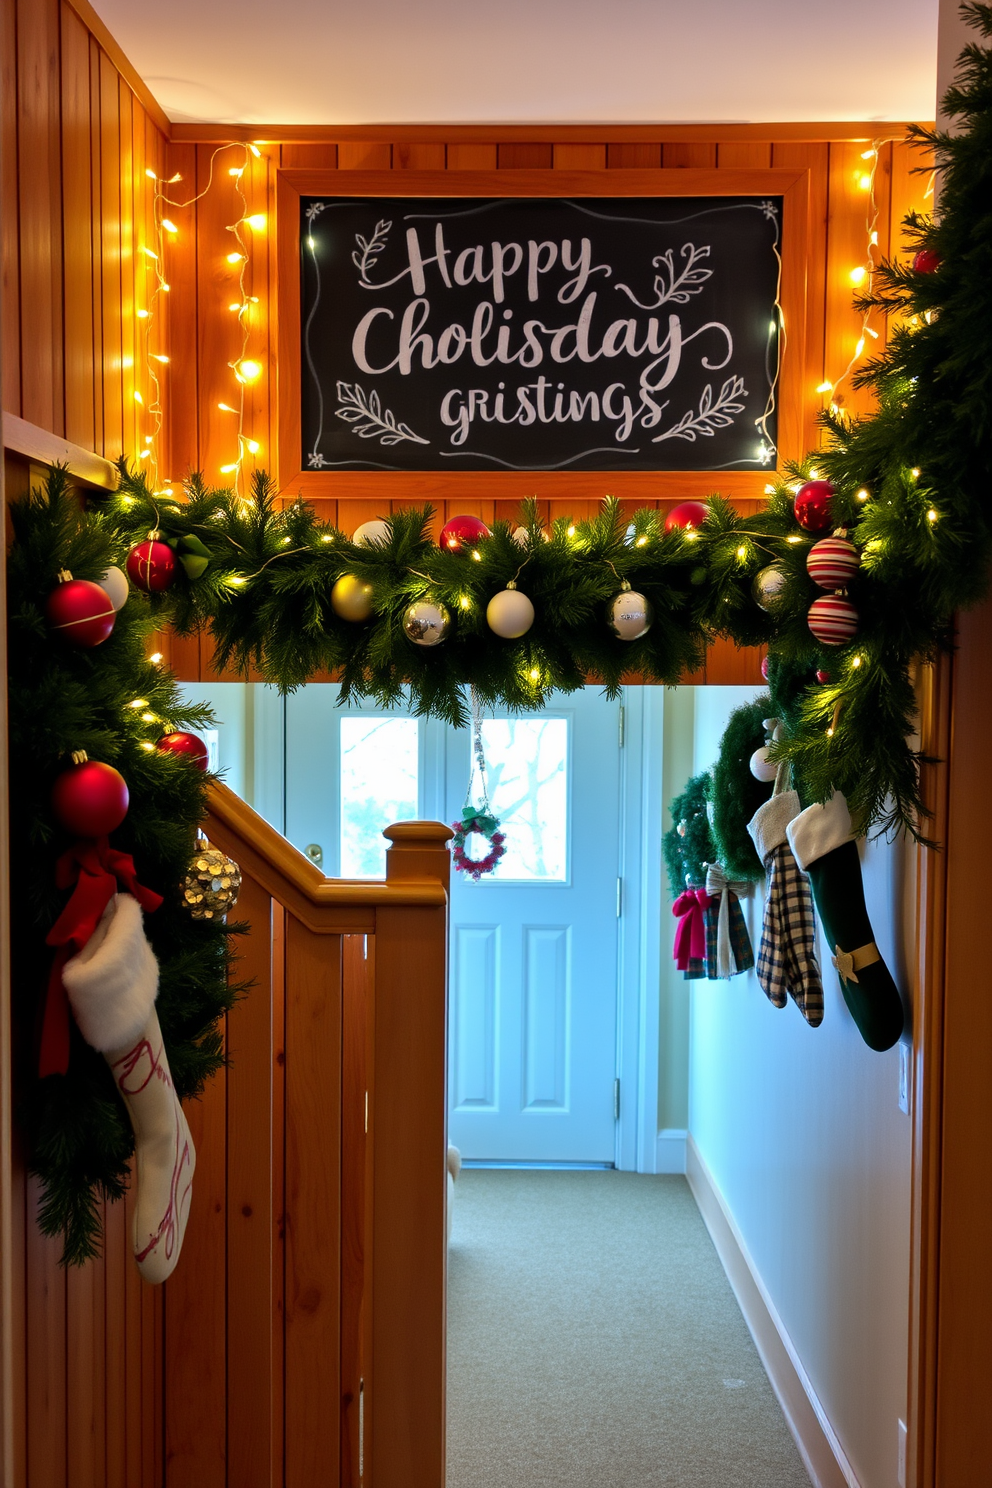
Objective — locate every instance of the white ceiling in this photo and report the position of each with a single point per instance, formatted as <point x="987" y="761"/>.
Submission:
<point x="531" y="61"/>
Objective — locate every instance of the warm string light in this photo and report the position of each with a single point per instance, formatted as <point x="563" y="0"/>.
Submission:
<point x="246" y="371"/>
<point x="861" y="275"/>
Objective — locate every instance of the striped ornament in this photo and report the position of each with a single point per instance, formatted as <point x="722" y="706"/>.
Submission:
<point x="833" y="620"/>
<point x="832" y="562"/>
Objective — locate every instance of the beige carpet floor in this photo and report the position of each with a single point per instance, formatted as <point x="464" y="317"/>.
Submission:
<point x="594" y="1342"/>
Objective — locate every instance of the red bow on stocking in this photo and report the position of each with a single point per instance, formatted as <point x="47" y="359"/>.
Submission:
<point x="94" y="871"/>
<point x="690" y="937"/>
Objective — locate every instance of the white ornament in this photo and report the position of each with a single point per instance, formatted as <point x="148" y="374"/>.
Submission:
<point x="376" y="531"/>
<point x="115" y="585"/>
<point x="510" y="614"/>
<point x="761" y="766"/>
<point x="521" y="536"/>
<point x="630" y="614"/>
<point x="426" y="623"/>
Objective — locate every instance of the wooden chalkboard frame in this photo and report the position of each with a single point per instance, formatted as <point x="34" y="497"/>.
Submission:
<point x="643" y="486"/>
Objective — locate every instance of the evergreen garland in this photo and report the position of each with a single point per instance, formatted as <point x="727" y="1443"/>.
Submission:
<point x="63" y="699"/>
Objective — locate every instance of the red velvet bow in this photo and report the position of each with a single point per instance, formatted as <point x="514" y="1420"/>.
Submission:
<point x="94" y="871"/>
<point x="690" y="937"/>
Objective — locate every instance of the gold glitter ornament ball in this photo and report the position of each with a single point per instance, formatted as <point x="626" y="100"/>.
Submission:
<point x="212" y="884"/>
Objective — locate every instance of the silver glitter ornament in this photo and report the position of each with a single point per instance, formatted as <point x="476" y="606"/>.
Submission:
<point x="426" y="623"/>
<point x="766" y="590"/>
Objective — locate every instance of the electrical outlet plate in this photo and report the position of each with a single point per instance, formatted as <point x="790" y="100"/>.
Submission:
<point x="901" y="1459"/>
<point x="905" y="1076"/>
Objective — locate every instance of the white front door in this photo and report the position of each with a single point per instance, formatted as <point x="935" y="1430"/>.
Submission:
<point x="533" y="981"/>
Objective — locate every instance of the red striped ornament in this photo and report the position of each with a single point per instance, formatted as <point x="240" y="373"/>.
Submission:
<point x="833" y="619"/>
<point x="832" y="562"/>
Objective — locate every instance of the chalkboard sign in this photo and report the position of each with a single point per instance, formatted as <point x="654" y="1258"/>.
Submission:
<point x="537" y="334"/>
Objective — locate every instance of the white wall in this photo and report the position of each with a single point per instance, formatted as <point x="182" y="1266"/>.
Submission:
<point x="250" y="741"/>
<point x="802" y="1132"/>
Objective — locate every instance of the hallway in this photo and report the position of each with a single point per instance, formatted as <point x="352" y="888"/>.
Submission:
<point x="594" y="1342"/>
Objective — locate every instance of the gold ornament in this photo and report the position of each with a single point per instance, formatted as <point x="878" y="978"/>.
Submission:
<point x="211" y="886"/>
<point x="351" y="598"/>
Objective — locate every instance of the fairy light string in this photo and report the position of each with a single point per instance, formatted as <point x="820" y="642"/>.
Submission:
<point x="245" y="370"/>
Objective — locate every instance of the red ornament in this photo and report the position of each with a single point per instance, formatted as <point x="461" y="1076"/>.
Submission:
<point x="90" y="799"/>
<point x="688" y="515"/>
<point x="812" y="505"/>
<point x="833" y="620"/>
<point x="821" y="675"/>
<point x="764" y="667"/>
<point x="927" y="261"/>
<point x="832" y="562"/>
<point x="189" y="745"/>
<point x="80" y="611"/>
<point x="152" y="565"/>
<point x="461" y="533"/>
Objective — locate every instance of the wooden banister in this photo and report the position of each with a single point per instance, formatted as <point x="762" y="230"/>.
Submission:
<point x="320" y="1332"/>
<point x="325" y="905"/>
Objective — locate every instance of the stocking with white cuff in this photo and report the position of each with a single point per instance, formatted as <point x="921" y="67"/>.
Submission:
<point x="112" y="984"/>
<point x="824" y="842"/>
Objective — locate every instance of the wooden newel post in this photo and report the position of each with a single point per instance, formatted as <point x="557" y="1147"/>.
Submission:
<point x="406" y="1273"/>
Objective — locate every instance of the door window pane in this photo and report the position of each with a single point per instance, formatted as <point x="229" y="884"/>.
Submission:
<point x="527" y="766"/>
<point x="379" y="759"/>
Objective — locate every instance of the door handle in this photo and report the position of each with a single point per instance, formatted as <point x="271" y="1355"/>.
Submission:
<point x="315" y="853"/>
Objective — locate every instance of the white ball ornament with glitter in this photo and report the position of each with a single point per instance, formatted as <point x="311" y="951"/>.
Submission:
<point x="509" y="613"/>
<point x="116" y="587"/>
<point x="376" y="531"/>
<point x="426" y="623"/>
<point x="630" y="614"/>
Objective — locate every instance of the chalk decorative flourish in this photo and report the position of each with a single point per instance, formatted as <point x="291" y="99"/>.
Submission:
<point x="364" y="255"/>
<point x="674" y="284"/>
<point x="712" y="414"/>
<point x="368" y="419"/>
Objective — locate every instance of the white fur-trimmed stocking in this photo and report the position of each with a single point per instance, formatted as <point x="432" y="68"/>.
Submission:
<point x="112" y="984"/>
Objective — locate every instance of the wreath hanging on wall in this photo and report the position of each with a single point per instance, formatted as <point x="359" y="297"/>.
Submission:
<point x="852" y="572"/>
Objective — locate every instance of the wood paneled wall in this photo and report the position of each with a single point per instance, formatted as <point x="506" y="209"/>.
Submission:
<point x="77" y="210"/>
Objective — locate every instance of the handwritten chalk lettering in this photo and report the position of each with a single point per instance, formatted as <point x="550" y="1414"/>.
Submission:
<point x="546" y="402"/>
<point x="504" y="331"/>
<point x="415" y="347"/>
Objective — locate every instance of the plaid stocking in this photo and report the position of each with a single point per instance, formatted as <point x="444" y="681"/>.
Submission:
<point x="787" y="963"/>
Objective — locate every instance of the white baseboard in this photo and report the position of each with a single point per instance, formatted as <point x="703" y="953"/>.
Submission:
<point x="823" y="1456"/>
<point x="670" y="1151"/>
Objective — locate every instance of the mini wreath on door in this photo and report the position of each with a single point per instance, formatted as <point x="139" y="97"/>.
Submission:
<point x="477" y="819"/>
<point x="485" y="826"/>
